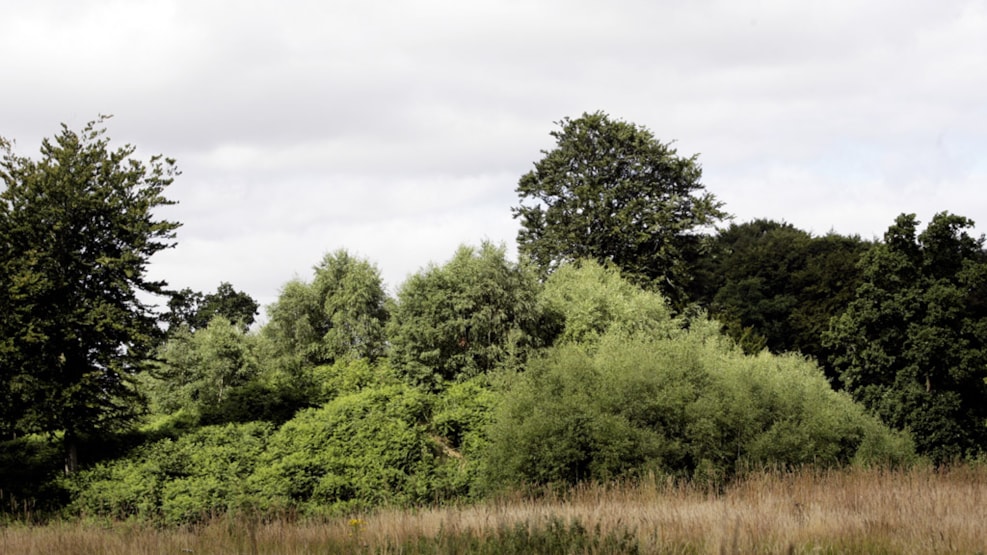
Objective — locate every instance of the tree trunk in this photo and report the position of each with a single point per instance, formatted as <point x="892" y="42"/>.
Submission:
<point x="71" y="453"/>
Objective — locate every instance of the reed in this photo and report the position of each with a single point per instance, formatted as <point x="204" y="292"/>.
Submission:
<point x="861" y="510"/>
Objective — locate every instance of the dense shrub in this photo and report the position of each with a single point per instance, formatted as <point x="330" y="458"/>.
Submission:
<point x="175" y="480"/>
<point x="359" y="450"/>
<point x="690" y="405"/>
<point x="593" y="300"/>
<point x="371" y="444"/>
<point x="460" y="419"/>
<point x="28" y="466"/>
<point x="255" y="401"/>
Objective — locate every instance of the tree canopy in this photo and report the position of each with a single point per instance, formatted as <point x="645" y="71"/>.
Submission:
<point x="77" y="229"/>
<point x="473" y="314"/>
<point x="590" y="357"/>
<point x="340" y="313"/>
<point x="773" y="285"/>
<point x="912" y="345"/>
<point x="611" y="192"/>
<point x="195" y="309"/>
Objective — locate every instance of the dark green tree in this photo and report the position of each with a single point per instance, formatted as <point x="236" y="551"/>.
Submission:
<point x="78" y="229"/>
<point x="912" y="345"/>
<point x="183" y="308"/>
<point x="611" y="192"/>
<point x="775" y="286"/>
<point x="476" y="313"/>
<point x="196" y="310"/>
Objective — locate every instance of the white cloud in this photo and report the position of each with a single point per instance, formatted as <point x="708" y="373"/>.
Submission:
<point x="399" y="130"/>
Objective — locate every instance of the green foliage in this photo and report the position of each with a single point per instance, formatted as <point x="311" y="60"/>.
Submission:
<point x="28" y="469"/>
<point x="462" y="413"/>
<point x="352" y="376"/>
<point x="776" y="286"/>
<point x="353" y="303"/>
<point x="609" y="191"/>
<point x="340" y="314"/>
<point x="912" y="346"/>
<point x="195" y="310"/>
<point x="687" y="405"/>
<point x="198" y="371"/>
<point x="476" y="313"/>
<point x="370" y="445"/>
<point x="593" y="301"/>
<point x="196" y="476"/>
<point x="362" y="449"/>
<point x="78" y="230"/>
<point x="254" y="401"/>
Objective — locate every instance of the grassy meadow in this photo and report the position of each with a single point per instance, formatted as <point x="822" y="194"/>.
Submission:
<point x="846" y="511"/>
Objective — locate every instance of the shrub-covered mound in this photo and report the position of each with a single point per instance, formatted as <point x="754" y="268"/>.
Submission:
<point x="688" y="404"/>
<point x="193" y="477"/>
<point x="362" y="449"/>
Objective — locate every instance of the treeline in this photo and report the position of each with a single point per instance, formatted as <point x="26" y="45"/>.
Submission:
<point x="636" y="335"/>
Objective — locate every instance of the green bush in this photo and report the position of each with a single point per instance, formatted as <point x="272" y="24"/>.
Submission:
<point x="255" y="401"/>
<point x="462" y="413"/>
<point x="691" y="405"/>
<point x="351" y="375"/>
<point x="460" y="419"/>
<point x="362" y="449"/>
<point x="175" y="480"/>
<point x="593" y="300"/>
<point x="372" y="444"/>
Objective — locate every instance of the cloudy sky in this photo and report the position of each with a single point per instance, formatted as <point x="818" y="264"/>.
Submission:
<point x="398" y="130"/>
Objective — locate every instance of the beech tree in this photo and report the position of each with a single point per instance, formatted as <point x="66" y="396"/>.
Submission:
<point x="775" y="286"/>
<point x="611" y="192"/>
<point x="77" y="229"/>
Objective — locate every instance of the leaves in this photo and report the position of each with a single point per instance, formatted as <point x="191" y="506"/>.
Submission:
<point x="475" y="313"/>
<point x="609" y="191"/>
<point x="686" y="405"/>
<point x="776" y="286"/>
<point x="78" y="229"/>
<point x="341" y="313"/>
<point x="911" y="345"/>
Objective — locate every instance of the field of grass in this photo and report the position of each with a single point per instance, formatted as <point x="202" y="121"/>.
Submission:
<point x="854" y="511"/>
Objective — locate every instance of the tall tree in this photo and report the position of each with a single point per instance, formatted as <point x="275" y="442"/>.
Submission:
<point x="776" y="286"/>
<point x="78" y="229"/>
<point x="611" y="192"/>
<point x="341" y="313"/>
<point x="196" y="310"/>
<point x="477" y="312"/>
<point x="912" y="345"/>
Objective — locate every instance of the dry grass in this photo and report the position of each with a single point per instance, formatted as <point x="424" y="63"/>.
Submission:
<point x="867" y="511"/>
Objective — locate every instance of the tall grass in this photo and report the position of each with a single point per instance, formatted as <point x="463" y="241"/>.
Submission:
<point x="861" y="510"/>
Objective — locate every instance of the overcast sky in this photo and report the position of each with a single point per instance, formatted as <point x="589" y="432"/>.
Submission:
<point x="398" y="130"/>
